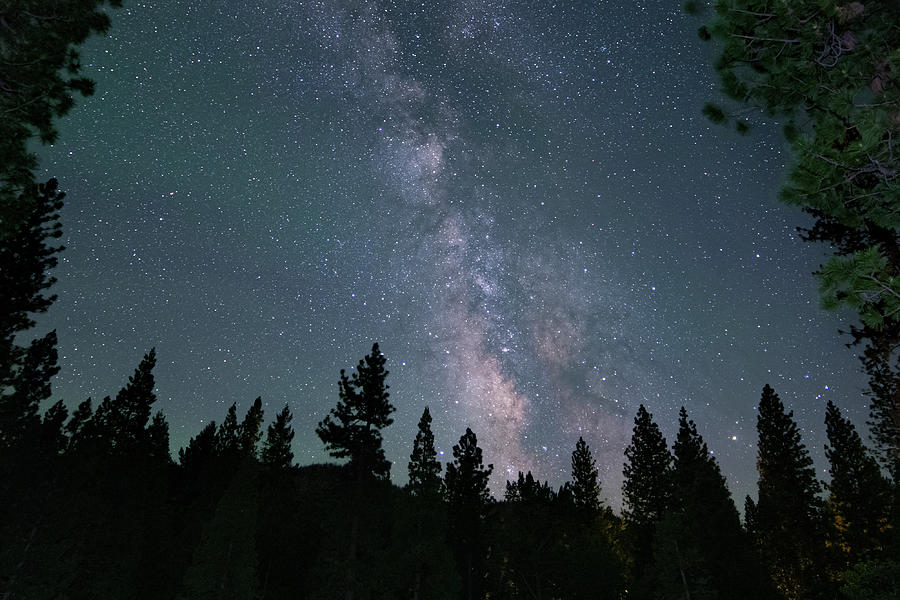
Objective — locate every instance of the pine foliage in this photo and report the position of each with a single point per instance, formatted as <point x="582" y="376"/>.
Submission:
<point x="276" y="450"/>
<point x="424" y="468"/>
<point x="859" y="497"/>
<point x="786" y="520"/>
<point x="352" y="429"/>
<point x="585" y="478"/>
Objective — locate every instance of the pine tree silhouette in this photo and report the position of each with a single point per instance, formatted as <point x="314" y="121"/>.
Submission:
<point x="276" y="451"/>
<point x="353" y="428"/>
<point x="424" y="468"/>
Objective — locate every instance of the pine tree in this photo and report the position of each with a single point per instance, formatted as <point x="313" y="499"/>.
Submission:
<point x="787" y="517"/>
<point x="700" y="549"/>
<point x="466" y="481"/>
<point x="53" y="434"/>
<point x="646" y="494"/>
<point x="228" y="435"/>
<point x="276" y="451"/>
<point x="585" y="478"/>
<point x="42" y="36"/>
<point x="131" y="408"/>
<point x="19" y="419"/>
<point x="528" y="489"/>
<point x="29" y="226"/>
<point x="250" y="431"/>
<point x="858" y="507"/>
<point x="352" y="429"/>
<point x="200" y="451"/>
<point x="424" y="468"/>
<point x="158" y="438"/>
<point x="647" y="488"/>
<point x="828" y="69"/>
<point x="39" y="65"/>
<point x="78" y="425"/>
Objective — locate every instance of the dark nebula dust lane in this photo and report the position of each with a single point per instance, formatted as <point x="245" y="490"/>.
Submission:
<point x="520" y="201"/>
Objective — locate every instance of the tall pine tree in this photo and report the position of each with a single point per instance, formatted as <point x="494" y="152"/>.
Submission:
<point x="466" y="481"/>
<point x="585" y="478"/>
<point x="700" y="549"/>
<point x="250" y="431"/>
<point x="646" y="493"/>
<point x="352" y="429"/>
<point x="787" y="519"/>
<point x="131" y="408"/>
<point x="276" y="450"/>
<point x="424" y="468"/>
<point x="859" y="501"/>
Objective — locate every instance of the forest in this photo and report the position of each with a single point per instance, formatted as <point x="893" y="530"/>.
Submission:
<point x="94" y="505"/>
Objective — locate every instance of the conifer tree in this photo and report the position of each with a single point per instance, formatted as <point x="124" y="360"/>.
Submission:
<point x="39" y="67"/>
<point x="250" y="431"/>
<point x="79" y="424"/>
<point x="528" y="489"/>
<point x="29" y="226"/>
<point x="700" y="549"/>
<point x="19" y="419"/>
<point x="53" y="435"/>
<point x="646" y="494"/>
<point x="585" y="478"/>
<point x="201" y="450"/>
<point x="787" y="516"/>
<point x="352" y="429"/>
<point x="276" y="450"/>
<point x="466" y="482"/>
<point x="858" y="507"/>
<point x="228" y="435"/>
<point x="424" y="468"/>
<point x="647" y="488"/>
<point x="42" y="36"/>
<point x="829" y="70"/>
<point x="131" y="407"/>
<point x="158" y="438"/>
<point x="467" y="478"/>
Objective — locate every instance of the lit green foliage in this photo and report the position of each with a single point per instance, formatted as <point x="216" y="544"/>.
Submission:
<point x="353" y="428"/>
<point x="830" y="69"/>
<point x="859" y="501"/>
<point x="874" y="580"/>
<point x="832" y="66"/>
<point x="863" y="282"/>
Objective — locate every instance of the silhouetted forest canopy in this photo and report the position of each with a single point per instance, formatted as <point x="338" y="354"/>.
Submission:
<point x="94" y="505"/>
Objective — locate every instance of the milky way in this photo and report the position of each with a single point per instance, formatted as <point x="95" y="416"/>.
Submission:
<point x="519" y="201"/>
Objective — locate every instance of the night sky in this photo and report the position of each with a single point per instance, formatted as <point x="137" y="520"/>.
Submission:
<point x="520" y="201"/>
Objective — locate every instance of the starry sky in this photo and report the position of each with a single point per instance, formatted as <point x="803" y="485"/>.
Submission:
<point x="518" y="200"/>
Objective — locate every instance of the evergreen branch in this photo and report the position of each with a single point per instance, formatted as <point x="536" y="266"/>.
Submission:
<point x="764" y="39"/>
<point x="884" y="287"/>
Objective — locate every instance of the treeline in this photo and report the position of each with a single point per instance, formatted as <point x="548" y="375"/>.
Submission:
<point x="94" y="506"/>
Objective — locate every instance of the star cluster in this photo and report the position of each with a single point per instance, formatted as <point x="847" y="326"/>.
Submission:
<point x="520" y="201"/>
